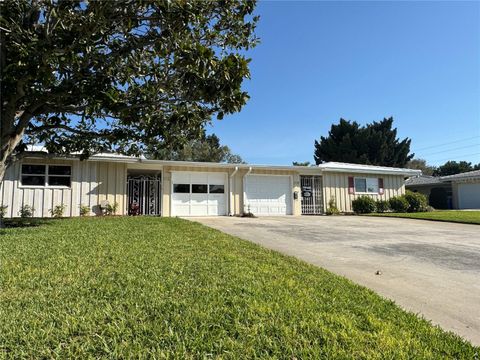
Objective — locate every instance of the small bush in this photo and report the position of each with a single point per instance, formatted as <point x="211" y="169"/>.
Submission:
<point x="363" y="205"/>
<point x="26" y="211"/>
<point x="57" y="211"/>
<point x="3" y="211"/>
<point x="111" y="209"/>
<point x="417" y="202"/>
<point x="84" y="210"/>
<point x="332" y="207"/>
<point x="398" y="204"/>
<point x="382" y="206"/>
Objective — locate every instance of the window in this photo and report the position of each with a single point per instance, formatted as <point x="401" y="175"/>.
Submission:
<point x="366" y="185"/>
<point x="34" y="175"/>
<point x="59" y="175"/>
<point x="46" y="175"/>
<point x="199" y="188"/>
<point x="181" y="188"/>
<point x="217" y="189"/>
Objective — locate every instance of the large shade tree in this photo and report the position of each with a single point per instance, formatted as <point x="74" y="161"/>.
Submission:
<point x="207" y="148"/>
<point x="92" y="76"/>
<point x="372" y="144"/>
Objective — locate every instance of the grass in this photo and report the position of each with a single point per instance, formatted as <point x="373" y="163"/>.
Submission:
<point x="170" y="288"/>
<point x="466" y="217"/>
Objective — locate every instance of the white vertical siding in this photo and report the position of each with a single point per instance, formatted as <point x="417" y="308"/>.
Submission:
<point x="91" y="182"/>
<point x="336" y="185"/>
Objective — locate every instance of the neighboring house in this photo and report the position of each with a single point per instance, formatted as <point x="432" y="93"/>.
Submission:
<point x="462" y="190"/>
<point x="177" y="188"/>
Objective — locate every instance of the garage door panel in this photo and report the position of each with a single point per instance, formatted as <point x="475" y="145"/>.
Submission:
<point x="469" y="196"/>
<point x="268" y="195"/>
<point x="198" y="201"/>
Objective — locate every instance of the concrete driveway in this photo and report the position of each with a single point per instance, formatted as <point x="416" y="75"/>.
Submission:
<point x="426" y="267"/>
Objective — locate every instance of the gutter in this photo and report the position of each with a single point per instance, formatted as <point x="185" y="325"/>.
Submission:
<point x="230" y="192"/>
<point x="245" y="186"/>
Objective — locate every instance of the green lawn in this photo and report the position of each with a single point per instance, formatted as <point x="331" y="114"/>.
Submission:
<point x="467" y="217"/>
<point x="169" y="288"/>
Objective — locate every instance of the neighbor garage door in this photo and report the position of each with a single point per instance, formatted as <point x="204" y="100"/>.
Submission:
<point x="198" y="194"/>
<point x="469" y="196"/>
<point x="267" y="195"/>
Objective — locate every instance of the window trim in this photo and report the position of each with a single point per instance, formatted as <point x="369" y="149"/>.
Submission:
<point x="366" y="185"/>
<point x="46" y="175"/>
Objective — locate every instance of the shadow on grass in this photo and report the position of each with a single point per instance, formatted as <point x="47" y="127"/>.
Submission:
<point x="27" y="222"/>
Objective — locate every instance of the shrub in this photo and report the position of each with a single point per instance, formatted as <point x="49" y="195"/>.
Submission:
<point x="363" y="205"/>
<point x="438" y="198"/>
<point x="84" y="210"/>
<point x="3" y="211"/>
<point x="417" y="202"/>
<point x="111" y="209"/>
<point x="332" y="207"/>
<point x="57" y="211"/>
<point x="398" y="204"/>
<point x="26" y="211"/>
<point x="382" y="206"/>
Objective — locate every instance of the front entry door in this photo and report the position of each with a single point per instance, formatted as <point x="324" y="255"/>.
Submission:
<point x="144" y="194"/>
<point x="312" y="199"/>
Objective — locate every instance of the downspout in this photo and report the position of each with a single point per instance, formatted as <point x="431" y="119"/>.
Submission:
<point x="245" y="186"/>
<point x="230" y="188"/>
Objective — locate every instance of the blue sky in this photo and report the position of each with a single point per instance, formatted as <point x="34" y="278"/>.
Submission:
<point x="318" y="61"/>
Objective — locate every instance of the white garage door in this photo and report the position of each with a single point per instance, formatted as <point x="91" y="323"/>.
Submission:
<point x="199" y="194"/>
<point x="268" y="195"/>
<point x="469" y="196"/>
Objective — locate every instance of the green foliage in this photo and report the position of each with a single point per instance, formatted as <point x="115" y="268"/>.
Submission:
<point x="363" y="205"/>
<point x="417" y="202"/>
<point x="300" y="163"/>
<point x="84" y="210"/>
<point x="454" y="167"/>
<point x="205" y="149"/>
<point x="373" y="144"/>
<point x="438" y="198"/>
<point x="3" y="211"/>
<point x="166" y="288"/>
<point x="111" y="209"/>
<point x="57" y="211"/>
<point x="94" y="76"/>
<point x="332" y="208"/>
<point x="465" y="217"/>
<point x="382" y="206"/>
<point x="398" y="204"/>
<point x="26" y="211"/>
<point x="421" y="164"/>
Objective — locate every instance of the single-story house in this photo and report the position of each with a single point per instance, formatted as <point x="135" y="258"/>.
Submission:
<point x="178" y="188"/>
<point x="459" y="191"/>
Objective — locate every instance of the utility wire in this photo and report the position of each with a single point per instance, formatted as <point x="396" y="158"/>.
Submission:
<point x="448" y="143"/>
<point x="457" y="157"/>
<point x="454" y="149"/>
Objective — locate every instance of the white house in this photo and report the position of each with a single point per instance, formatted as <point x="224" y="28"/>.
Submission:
<point x="177" y="188"/>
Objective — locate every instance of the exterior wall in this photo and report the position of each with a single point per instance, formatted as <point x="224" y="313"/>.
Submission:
<point x="91" y="182"/>
<point x="336" y="185"/>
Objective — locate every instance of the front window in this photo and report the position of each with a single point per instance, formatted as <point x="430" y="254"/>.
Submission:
<point x="366" y="185"/>
<point x="34" y="175"/>
<point x="46" y="175"/>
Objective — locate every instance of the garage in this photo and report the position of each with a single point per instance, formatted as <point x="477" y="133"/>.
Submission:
<point x="469" y="196"/>
<point x="199" y="193"/>
<point x="268" y="195"/>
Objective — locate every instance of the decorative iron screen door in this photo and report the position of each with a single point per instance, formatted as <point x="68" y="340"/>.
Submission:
<point x="312" y="199"/>
<point x="145" y="193"/>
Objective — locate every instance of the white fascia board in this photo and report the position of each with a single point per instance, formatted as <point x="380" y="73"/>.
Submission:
<point x="367" y="169"/>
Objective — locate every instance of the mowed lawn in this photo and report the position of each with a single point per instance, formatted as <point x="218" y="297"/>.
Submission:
<point x="169" y="288"/>
<point x="467" y="217"/>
